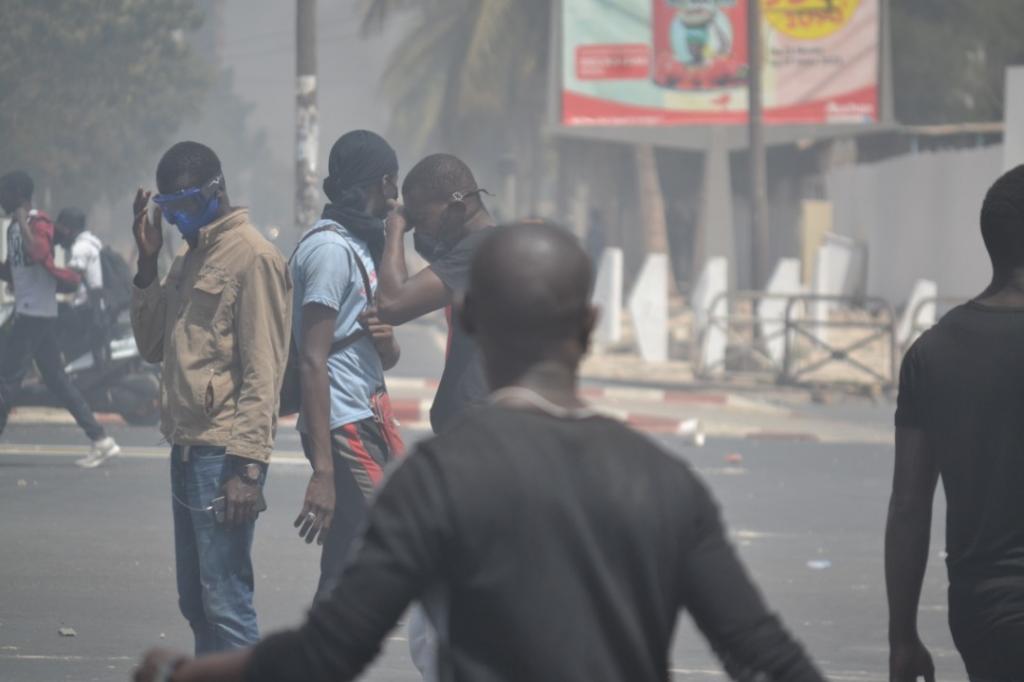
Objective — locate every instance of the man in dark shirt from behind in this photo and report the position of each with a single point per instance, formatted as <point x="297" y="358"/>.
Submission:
<point x="960" y="415"/>
<point x="566" y="544"/>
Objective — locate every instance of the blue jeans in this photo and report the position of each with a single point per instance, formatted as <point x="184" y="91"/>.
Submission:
<point x="213" y="560"/>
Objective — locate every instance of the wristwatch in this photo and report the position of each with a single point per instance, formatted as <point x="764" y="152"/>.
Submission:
<point x="250" y="472"/>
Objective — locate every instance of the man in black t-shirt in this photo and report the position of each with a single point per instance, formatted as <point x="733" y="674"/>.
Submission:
<point x="565" y="543"/>
<point x="444" y="209"/>
<point x="960" y="416"/>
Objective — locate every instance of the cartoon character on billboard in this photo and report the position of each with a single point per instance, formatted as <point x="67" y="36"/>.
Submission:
<point x="695" y="44"/>
<point x="700" y="32"/>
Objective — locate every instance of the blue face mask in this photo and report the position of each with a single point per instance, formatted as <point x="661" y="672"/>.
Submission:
<point x="191" y="209"/>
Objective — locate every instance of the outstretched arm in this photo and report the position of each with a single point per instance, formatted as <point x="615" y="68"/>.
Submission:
<point x="751" y="641"/>
<point x="907" y="533"/>
<point x="401" y="552"/>
<point x="40" y="250"/>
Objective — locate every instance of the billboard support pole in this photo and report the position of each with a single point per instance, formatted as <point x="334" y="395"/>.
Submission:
<point x="758" y="180"/>
<point x="307" y="123"/>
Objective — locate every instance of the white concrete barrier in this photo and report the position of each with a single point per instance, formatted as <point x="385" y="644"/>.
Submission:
<point x="917" y="317"/>
<point x="785" y="280"/>
<point x="608" y="297"/>
<point x="832" y="269"/>
<point x="1013" y="137"/>
<point x="648" y="304"/>
<point x="713" y="281"/>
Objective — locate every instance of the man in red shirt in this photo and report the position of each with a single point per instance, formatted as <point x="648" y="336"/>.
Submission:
<point x="37" y="280"/>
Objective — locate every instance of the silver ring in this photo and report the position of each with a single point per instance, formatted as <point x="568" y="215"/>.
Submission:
<point x="311" y="516"/>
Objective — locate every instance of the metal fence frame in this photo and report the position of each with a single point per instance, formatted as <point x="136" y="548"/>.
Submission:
<point x="793" y="327"/>
<point x="731" y="325"/>
<point x="802" y="327"/>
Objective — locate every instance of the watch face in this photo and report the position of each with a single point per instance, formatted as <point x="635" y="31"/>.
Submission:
<point x="252" y="472"/>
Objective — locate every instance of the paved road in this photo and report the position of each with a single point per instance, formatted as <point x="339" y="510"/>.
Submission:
<point x="92" y="550"/>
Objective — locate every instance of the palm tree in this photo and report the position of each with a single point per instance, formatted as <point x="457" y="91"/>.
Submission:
<point x="464" y="65"/>
<point x="471" y="76"/>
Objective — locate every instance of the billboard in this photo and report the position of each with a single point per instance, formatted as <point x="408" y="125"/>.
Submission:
<point x="678" y="62"/>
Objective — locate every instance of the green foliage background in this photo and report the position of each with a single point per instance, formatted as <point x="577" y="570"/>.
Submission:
<point x="92" y="90"/>
<point x="950" y="58"/>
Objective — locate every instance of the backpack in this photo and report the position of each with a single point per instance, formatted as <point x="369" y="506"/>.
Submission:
<point x="290" y="397"/>
<point x="117" y="281"/>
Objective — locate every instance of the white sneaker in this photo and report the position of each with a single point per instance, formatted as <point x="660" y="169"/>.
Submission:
<point x="102" y="450"/>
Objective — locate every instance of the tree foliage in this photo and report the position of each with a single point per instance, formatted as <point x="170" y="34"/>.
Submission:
<point x="950" y="58"/>
<point x="91" y="90"/>
<point x="468" y="68"/>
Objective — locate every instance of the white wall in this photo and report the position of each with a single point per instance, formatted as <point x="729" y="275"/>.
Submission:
<point x="918" y="215"/>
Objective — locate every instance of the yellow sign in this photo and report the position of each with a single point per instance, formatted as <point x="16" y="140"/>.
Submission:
<point x="809" y="19"/>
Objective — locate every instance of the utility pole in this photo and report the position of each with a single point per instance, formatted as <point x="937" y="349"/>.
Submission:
<point x="307" y="117"/>
<point x="758" y="172"/>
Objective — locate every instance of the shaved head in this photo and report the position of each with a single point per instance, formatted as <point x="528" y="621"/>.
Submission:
<point x="438" y="176"/>
<point x="529" y="297"/>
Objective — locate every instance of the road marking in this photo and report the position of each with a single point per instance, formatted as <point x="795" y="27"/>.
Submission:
<point x="697" y="671"/>
<point x="845" y="675"/>
<point x="286" y="457"/>
<point x="745" y="534"/>
<point x="721" y="471"/>
<point x="45" y="657"/>
<point x="855" y="676"/>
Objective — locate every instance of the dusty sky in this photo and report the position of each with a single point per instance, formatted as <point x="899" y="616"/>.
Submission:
<point x="258" y="43"/>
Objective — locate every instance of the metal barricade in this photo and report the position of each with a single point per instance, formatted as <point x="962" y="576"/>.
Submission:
<point x="812" y="331"/>
<point x="749" y="348"/>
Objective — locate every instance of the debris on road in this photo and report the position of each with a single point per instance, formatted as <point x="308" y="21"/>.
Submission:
<point x="819" y="564"/>
<point x="691" y="430"/>
<point x="734" y="458"/>
<point x="22" y="483"/>
<point x="67" y="632"/>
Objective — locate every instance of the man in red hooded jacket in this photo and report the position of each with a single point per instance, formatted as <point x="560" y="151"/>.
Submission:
<point x="36" y="280"/>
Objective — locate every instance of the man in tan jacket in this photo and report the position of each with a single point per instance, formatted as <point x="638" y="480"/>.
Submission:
<point x="219" y="324"/>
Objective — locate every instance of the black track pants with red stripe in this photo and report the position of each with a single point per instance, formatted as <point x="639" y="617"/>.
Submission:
<point x="360" y="456"/>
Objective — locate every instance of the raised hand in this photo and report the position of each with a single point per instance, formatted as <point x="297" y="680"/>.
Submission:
<point x="147" y="228"/>
<point x="396" y="221"/>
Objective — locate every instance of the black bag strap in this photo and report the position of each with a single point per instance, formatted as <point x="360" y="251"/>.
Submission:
<point x="347" y="341"/>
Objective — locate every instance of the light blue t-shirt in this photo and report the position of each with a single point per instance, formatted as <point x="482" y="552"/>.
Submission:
<point x="324" y="271"/>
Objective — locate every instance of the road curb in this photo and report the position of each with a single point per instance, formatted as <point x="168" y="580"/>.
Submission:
<point x="653" y="395"/>
<point x="58" y="416"/>
<point x="636" y="393"/>
<point x="411" y="384"/>
<point x="414" y="414"/>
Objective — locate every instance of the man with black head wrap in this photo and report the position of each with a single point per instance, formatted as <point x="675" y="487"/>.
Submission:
<point x="343" y="348"/>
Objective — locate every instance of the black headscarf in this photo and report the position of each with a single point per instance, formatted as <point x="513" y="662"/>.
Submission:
<point x="358" y="160"/>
